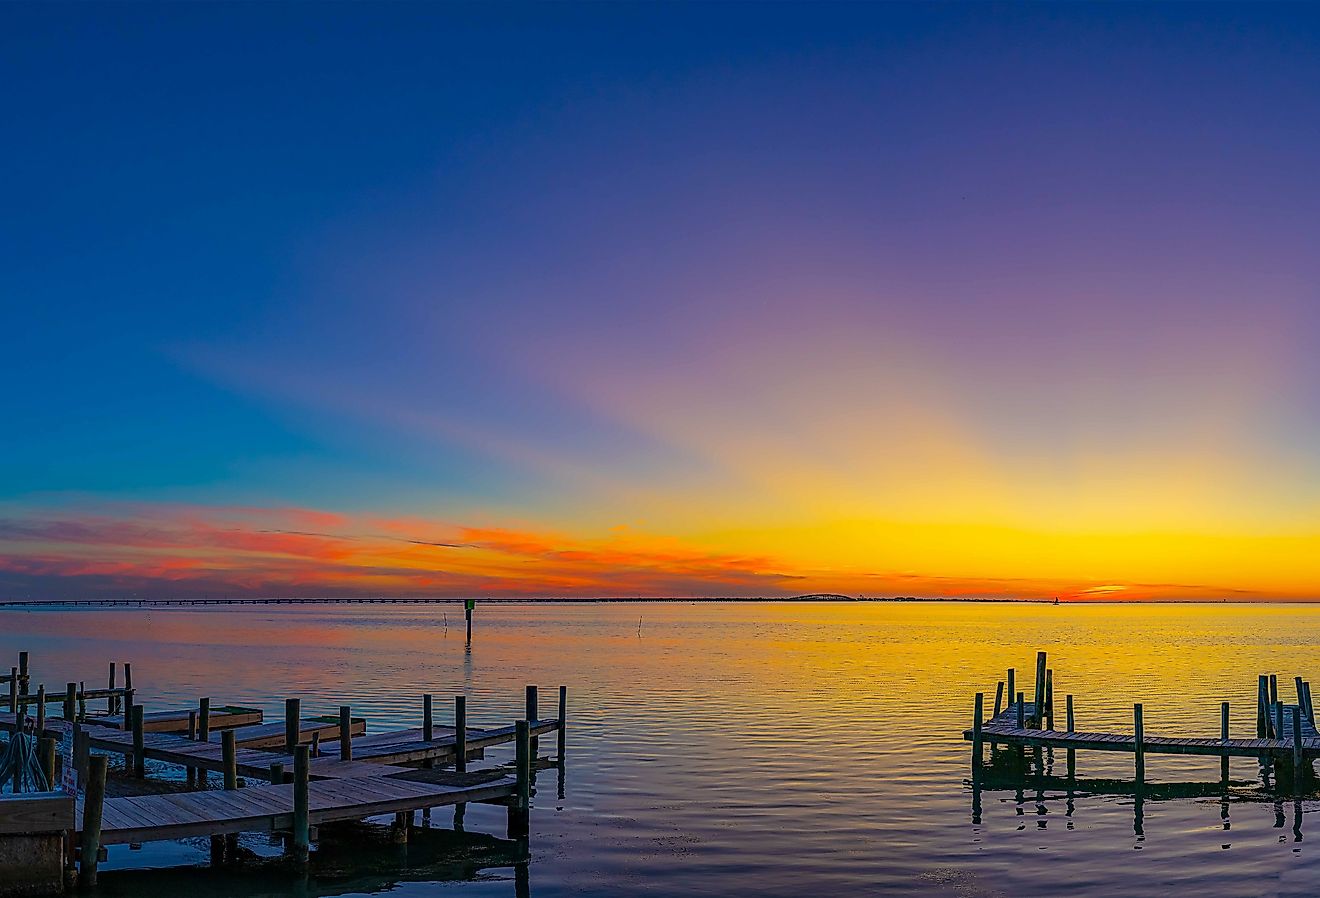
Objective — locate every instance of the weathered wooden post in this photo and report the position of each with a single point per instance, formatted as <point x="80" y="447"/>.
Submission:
<point x="563" y="721"/>
<point x="1278" y="722"/>
<point x="1223" y="734"/>
<point x="1139" y="739"/>
<point x="316" y="743"/>
<point x="13" y="690"/>
<point x="229" y="758"/>
<point x="110" y="684"/>
<point x="1072" y="728"/>
<point x="1012" y="674"/>
<point x="70" y="701"/>
<point x="41" y="711"/>
<point x="301" y="827"/>
<point x="977" y="713"/>
<point x="1301" y="692"/>
<point x="1297" y="750"/>
<point x="345" y="733"/>
<point x="519" y="811"/>
<point x="999" y="697"/>
<point x="533" y="717"/>
<point x="1049" y="699"/>
<point x="1039" y="710"/>
<point x="128" y="709"/>
<point x="47" y="757"/>
<point x="292" y="723"/>
<point x="192" y="736"/>
<point x="277" y="772"/>
<point x="1262" y="707"/>
<point x="139" y="744"/>
<point x="1274" y="690"/>
<point x="468" y="606"/>
<point x="460" y="733"/>
<point x="1021" y="712"/>
<point x="91" y="828"/>
<point x="204" y="720"/>
<point x="1310" y="708"/>
<point x="428" y="720"/>
<point x="82" y="700"/>
<point x="23" y="674"/>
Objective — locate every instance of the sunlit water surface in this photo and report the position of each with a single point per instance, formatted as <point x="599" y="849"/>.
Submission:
<point x="770" y="749"/>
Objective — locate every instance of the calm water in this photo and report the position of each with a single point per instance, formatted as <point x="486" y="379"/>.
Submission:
<point x="774" y="749"/>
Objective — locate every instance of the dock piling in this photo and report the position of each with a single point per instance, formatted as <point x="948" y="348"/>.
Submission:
<point x="1262" y="707"/>
<point x="47" y="758"/>
<point x="1297" y="749"/>
<point x="428" y="721"/>
<point x="128" y="709"/>
<point x="110" y="684"/>
<point x="276" y="772"/>
<point x="345" y="733"/>
<point x="1139" y="738"/>
<point x="301" y="828"/>
<point x="1223" y="734"/>
<point x="460" y="733"/>
<point x="292" y="723"/>
<point x="70" y="701"/>
<point x="1021" y="712"/>
<point x="1039" y="710"/>
<point x="1049" y="698"/>
<point x="23" y="674"/>
<point x="999" y="698"/>
<point x="1310" y="709"/>
<point x="1012" y="689"/>
<point x="533" y="715"/>
<point x="1278" y="721"/>
<point x="1274" y="689"/>
<point x="229" y="758"/>
<point x="204" y="720"/>
<point x="41" y="711"/>
<point x="977" y="715"/>
<point x="563" y="721"/>
<point x="139" y="744"/>
<point x="91" y="828"/>
<point x="13" y="690"/>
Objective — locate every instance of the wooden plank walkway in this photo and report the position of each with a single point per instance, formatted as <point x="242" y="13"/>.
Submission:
<point x="184" y="815"/>
<point x="224" y="717"/>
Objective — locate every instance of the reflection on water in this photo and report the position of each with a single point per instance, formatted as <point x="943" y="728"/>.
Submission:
<point x="774" y="748"/>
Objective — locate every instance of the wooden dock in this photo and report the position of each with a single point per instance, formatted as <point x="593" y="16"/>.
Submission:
<point x="1286" y="735"/>
<point x="288" y="777"/>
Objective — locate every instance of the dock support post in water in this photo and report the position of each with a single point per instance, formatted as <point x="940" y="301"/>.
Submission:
<point x="1072" y="727"/>
<point x="1223" y="734"/>
<point x="1139" y="739"/>
<point x="468" y="606"/>
<point x="41" y="711"/>
<point x="229" y="759"/>
<point x="292" y="722"/>
<point x="139" y="744"/>
<point x="23" y="674"/>
<point x="191" y="775"/>
<point x="70" y="701"/>
<point x="91" y="829"/>
<point x="428" y="726"/>
<point x="1049" y="699"/>
<point x="533" y="715"/>
<point x="563" y="721"/>
<point x="1021" y="712"/>
<point x="128" y="709"/>
<point x="301" y="829"/>
<point x="1274" y="689"/>
<point x="1012" y="687"/>
<point x="345" y="733"/>
<point x="1278" y="722"/>
<point x="1039" y="714"/>
<point x="999" y="698"/>
<point x="520" y="809"/>
<point x="1297" y="750"/>
<point x="1262" y="707"/>
<point x="977" y="715"/>
<point x="460" y="733"/>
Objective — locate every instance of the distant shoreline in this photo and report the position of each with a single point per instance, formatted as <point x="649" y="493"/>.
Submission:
<point x="601" y="600"/>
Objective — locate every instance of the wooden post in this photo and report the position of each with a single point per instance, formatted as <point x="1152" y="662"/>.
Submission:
<point x="1297" y="750"/>
<point x="276" y="772"/>
<point x="41" y="711"/>
<point x="563" y="721"/>
<point x="1274" y="689"/>
<point x="533" y="716"/>
<point x="229" y="758"/>
<point x="1278" y="722"/>
<point x="301" y="829"/>
<point x="1139" y="738"/>
<point x="1039" y="709"/>
<point x="91" y="828"/>
<point x="23" y="674"/>
<point x="13" y="690"/>
<point x="977" y="714"/>
<point x="1301" y="692"/>
<point x="345" y="733"/>
<point x="1021" y="712"/>
<point x="192" y="735"/>
<point x="47" y="756"/>
<point x="999" y="697"/>
<point x="460" y="733"/>
<point x="468" y="606"/>
<point x="316" y="743"/>
<point x="204" y="720"/>
<point x="292" y="723"/>
<point x="1262" y="707"/>
<point x="1011" y="692"/>
<point x="110" y="684"/>
<point x="523" y="762"/>
<point x="1223" y="734"/>
<point x="70" y="701"/>
<point x="139" y="744"/>
<point x="1310" y="708"/>
<point x="428" y="722"/>
<point x="82" y="700"/>
<point x="1072" y="727"/>
<point x="1049" y="698"/>
<point x="128" y="709"/>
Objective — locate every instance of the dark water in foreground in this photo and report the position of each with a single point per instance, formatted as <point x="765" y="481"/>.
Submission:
<point x="769" y="749"/>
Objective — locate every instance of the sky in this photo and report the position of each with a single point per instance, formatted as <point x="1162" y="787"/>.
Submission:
<point x="660" y="300"/>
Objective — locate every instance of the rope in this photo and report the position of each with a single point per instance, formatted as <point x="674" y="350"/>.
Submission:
<point x="20" y="770"/>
